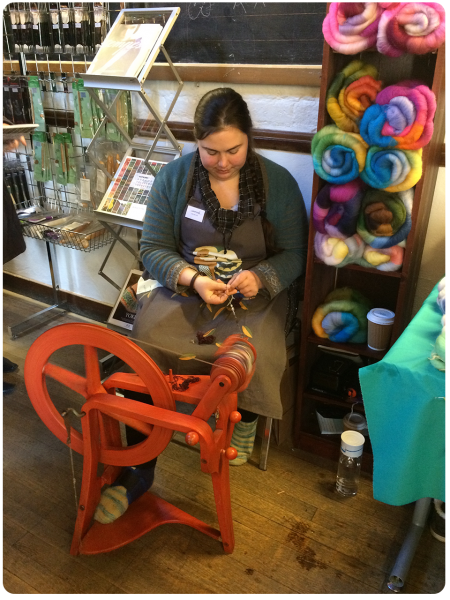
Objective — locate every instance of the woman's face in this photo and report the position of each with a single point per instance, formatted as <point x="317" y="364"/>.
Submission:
<point x="223" y="154"/>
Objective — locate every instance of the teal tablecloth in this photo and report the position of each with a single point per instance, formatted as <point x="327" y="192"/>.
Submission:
<point x="405" y="409"/>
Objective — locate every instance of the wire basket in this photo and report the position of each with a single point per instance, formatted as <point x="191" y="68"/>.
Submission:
<point x="95" y="238"/>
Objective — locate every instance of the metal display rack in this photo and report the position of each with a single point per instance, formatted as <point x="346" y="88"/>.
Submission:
<point x="55" y="85"/>
<point x="164" y="19"/>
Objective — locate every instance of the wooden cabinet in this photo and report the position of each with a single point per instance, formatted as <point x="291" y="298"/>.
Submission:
<point x="391" y="290"/>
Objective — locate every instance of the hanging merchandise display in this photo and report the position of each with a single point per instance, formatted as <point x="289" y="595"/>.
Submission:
<point x="82" y="41"/>
<point x="36" y="102"/>
<point x="41" y="157"/>
<point x="98" y="30"/>
<point x="64" y="158"/>
<point x="41" y="31"/>
<point x="67" y="28"/>
<point x="56" y="29"/>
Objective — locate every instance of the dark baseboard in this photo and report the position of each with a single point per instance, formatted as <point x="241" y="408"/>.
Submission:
<point x="85" y="307"/>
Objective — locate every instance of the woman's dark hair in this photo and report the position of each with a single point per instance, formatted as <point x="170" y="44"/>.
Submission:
<point x="224" y="107"/>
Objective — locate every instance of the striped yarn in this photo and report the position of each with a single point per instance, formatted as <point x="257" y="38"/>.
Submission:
<point x="243" y="439"/>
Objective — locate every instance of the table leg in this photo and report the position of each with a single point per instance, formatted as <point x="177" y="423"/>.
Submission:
<point x="406" y="554"/>
<point x="265" y="445"/>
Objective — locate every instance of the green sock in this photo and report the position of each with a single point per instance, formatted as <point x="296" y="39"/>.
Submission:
<point x="243" y="439"/>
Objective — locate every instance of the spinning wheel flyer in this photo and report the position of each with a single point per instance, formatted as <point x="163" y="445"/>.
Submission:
<point x="129" y="191"/>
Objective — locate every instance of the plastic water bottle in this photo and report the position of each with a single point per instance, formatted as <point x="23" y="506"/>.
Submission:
<point x="349" y="466"/>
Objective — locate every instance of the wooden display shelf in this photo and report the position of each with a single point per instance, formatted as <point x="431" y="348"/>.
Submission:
<point x="361" y="349"/>
<point x="326" y="399"/>
<point x="351" y="267"/>
<point x="391" y="290"/>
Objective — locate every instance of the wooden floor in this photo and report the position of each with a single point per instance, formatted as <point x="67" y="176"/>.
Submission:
<point x="293" y="533"/>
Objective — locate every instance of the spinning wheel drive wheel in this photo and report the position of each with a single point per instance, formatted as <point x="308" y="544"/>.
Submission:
<point x="92" y="337"/>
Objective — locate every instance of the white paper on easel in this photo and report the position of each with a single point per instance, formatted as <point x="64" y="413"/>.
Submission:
<point x="125" y="50"/>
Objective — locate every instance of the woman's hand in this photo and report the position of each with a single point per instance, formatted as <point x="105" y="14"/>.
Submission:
<point x="12" y="145"/>
<point x="212" y="292"/>
<point x="245" y="282"/>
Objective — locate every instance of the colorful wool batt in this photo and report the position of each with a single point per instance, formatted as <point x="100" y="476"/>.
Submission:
<point x="336" y="208"/>
<point x="383" y="259"/>
<point x="392" y="170"/>
<point x="402" y="117"/>
<point x="411" y="27"/>
<point x="342" y="317"/>
<point x="385" y="218"/>
<point x="353" y="90"/>
<point x="337" y="252"/>
<point x="351" y="27"/>
<point x="338" y="156"/>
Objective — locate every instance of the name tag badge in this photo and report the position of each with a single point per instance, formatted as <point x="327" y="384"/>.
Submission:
<point x="196" y="214"/>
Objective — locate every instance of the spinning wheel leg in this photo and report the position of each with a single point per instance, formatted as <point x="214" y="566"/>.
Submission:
<point x="221" y="486"/>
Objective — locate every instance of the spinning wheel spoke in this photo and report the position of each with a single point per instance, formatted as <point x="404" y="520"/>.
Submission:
<point x="68" y="378"/>
<point x="93" y="381"/>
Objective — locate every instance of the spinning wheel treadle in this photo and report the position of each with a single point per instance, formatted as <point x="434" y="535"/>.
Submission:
<point x="100" y="441"/>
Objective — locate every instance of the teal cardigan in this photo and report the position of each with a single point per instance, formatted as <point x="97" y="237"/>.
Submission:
<point x="285" y="210"/>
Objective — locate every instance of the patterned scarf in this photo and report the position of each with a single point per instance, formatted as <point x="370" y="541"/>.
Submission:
<point x="227" y="220"/>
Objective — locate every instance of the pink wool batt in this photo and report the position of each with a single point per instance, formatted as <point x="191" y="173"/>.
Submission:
<point x="351" y="27"/>
<point x="411" y="27"/>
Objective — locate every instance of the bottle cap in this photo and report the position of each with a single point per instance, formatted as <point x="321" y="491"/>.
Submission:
<point x="352" y="443"/>
<point x="381" y="316"/>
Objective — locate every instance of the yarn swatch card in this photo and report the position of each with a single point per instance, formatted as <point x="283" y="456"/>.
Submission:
<point x="129" y="190"/>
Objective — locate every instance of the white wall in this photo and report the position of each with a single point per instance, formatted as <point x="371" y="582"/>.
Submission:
<point x="284" y="108"/>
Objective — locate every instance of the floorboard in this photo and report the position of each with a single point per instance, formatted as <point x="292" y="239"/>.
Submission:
<point x="293" y="533"/>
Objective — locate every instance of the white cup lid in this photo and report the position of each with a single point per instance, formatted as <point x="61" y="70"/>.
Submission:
<point x="352" y="443"/>
<point x="381" y="316"/>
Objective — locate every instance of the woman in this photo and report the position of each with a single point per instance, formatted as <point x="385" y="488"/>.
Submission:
<point x="225" y="234"/>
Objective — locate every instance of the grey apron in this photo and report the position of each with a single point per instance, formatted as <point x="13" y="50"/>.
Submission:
<point x="166" y="324"/>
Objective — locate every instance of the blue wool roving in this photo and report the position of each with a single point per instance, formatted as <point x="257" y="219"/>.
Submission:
<point x="340" y="326"/>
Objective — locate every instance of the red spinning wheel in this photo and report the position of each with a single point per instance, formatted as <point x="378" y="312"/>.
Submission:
<point x="93" y="337"/>
<point x="102" y="412"/>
